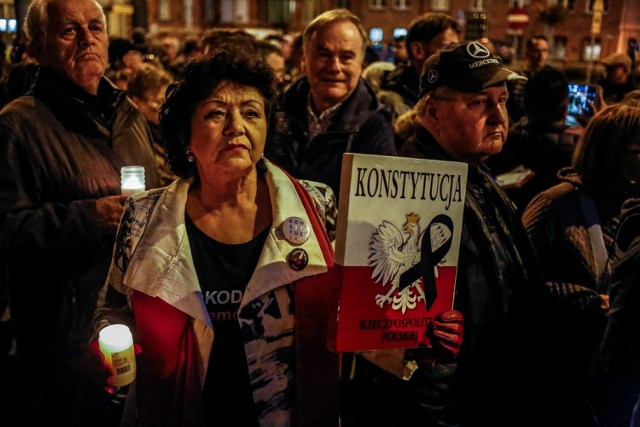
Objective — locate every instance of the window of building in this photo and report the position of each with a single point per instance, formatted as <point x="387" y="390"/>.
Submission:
<point x="164" y="10"/>
<point x="234" y="11"/>
<point x="591" y="52"/>
<point x="310" y="9"/>
<point x="440" y="5"/>
<point x="8" y="23"/>
<point x="401" y="4"/>
<point x="8" y="26"/>
<point x="568" y="4"/>
<point x="377" y="4"/>
<point x="559" y="47"/>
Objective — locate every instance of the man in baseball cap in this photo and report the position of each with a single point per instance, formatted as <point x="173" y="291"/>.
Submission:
<point x="462" y="105"/>
<point x="466" y="67"/>
<point x="617" y="79"/>
<point x="462" y="117"/>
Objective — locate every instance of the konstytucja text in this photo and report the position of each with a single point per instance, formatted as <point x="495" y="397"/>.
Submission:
<point x="397" y="184"/>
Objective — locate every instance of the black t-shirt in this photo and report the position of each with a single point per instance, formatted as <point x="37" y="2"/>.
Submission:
<point x="224" y="271"/>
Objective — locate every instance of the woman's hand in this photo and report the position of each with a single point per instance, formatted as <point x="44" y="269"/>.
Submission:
<point x="99" y="370"/>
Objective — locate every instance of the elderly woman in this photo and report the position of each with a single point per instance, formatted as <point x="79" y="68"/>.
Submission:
<point x="207" y="272"/>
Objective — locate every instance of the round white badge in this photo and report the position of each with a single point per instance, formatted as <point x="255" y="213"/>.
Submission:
<point x="296" y="230"/>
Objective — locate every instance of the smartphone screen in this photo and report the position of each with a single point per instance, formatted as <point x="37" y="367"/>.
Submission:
<point x="578" y="97"/>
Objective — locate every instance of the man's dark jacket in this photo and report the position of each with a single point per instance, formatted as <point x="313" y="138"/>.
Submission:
<point x="361" y="125"/>
<point x="489" y="383"/>
<point x="615" y="386"/>
<point x="60" y="150"/>
<point x="405" y="81"/>
<point x="614" y="92"/>
<point x="541" y="146"/>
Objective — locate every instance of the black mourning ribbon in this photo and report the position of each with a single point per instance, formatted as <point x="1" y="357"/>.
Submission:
<point x="428" y="260"/>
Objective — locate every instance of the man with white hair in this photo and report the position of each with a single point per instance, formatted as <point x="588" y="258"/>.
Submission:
<point x="331" y="110"/>
<point x="61" y="148"/>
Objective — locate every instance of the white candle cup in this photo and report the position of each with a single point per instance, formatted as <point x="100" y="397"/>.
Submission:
<point x="131" y="179"/>
<point x="116" y="344"/>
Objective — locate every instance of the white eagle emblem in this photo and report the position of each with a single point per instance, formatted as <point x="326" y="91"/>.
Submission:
<point x="391" y="254"/>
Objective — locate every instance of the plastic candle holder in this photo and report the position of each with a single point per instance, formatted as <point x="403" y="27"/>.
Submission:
<point x="131" y="179"/>
<point x="116" y="344"/>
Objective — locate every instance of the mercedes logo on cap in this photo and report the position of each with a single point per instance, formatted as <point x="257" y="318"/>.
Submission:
<point x="432" y="76"/>
<point x="477" y="50"/>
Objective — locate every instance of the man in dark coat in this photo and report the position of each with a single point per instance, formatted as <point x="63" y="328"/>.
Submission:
<point x="61" y="148"/>
<point x="331" y="110"/>
<point x="463" y="118"/>
<point x="618" y="78"/>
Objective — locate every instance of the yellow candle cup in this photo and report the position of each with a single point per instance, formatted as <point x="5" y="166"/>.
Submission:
<point x="116" y="344"/>
<point x="131" y="180"/>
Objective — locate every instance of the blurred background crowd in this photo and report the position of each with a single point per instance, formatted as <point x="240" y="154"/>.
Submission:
<point x="554" y="146"/>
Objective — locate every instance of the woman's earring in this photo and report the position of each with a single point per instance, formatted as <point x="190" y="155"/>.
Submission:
<point x="190" y="157"/>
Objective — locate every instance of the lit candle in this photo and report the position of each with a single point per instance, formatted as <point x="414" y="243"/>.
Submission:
<point x="116" y="344"/>
<point x="131" y="179"/>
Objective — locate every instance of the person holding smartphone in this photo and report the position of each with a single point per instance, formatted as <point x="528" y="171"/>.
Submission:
<point x="541" y="141"/>
<point x="582" y="99"/>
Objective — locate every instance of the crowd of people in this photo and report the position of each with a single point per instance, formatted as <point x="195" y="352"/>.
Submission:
<point x="241" y="140"/>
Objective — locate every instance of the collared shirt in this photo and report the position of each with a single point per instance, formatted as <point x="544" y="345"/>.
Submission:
<point x="319" y="124"/>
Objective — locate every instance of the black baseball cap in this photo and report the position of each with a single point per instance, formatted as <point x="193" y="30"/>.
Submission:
<point x="465" y="67"/>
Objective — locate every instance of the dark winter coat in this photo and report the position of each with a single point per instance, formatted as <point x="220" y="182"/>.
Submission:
<point x="60" y="150"/>
<point x="498" y="292"/>
<point x="404" y="81"/>
<point x="543" y="147"/>
<point x="558" y="224"/>
<point x="616" y="383"/>
<point x="614" y="92"/>
<point x="361" y="125"/>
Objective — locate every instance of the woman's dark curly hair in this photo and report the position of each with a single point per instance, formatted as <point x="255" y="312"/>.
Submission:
<point x="200" y="78"/>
